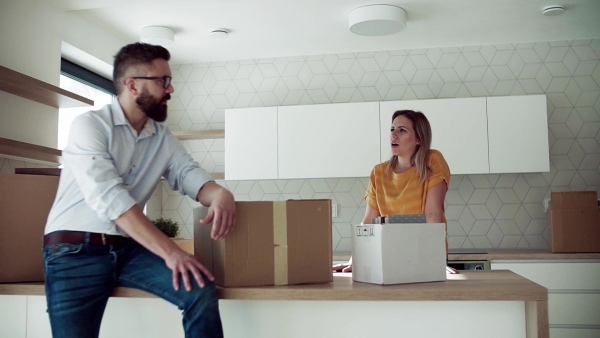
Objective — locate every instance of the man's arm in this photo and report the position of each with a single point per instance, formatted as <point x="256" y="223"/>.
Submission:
<point x="221" y="209"/>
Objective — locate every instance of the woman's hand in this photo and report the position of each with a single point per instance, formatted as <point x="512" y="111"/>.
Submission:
<point x="343" y="267"/>
<point x="451" y="271"/>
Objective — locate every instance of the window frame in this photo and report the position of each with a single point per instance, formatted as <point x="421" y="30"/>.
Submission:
<point x="78" y="73"/>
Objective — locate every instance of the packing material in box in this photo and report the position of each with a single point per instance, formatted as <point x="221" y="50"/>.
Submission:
<point x="25" y="201"/>
<point x="274" y="243"/>
<point x="398" y="253"/>
<point x="574" y="221"/>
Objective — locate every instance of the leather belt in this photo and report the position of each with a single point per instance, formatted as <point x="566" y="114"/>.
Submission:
<point x="81" y="237"/>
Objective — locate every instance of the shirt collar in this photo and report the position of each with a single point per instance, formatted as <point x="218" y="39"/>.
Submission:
<point x="119" y="119"/>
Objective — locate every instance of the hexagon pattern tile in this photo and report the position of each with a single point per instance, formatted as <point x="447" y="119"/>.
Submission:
<point x="483" y="211"/>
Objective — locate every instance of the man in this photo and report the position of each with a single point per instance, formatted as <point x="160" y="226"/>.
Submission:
<point x="97" y="236"/>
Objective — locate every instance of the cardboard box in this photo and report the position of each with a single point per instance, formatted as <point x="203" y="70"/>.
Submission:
<point x="399" y="253"/>
<point x="274" y="243"/>
<point x="574" y="221"/>
<point x="186" y="245"/>
<point x="25" y="201"/>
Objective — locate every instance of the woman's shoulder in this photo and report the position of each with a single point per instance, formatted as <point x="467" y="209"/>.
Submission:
<point x="380" y="168"/>
<point x="381" y="165"/>
<point x="435" y="155"/>
<point x="437" y="162"/>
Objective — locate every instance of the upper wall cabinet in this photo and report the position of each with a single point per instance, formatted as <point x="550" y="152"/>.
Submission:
<point x="329" y="140"/>
<point x="458" y="127"/>
<point x="518" y="134"/>
<point x="475" y="135"/>
<point x="251" y="143"/>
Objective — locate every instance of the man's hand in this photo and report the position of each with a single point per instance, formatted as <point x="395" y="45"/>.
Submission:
<point x="221" y="210"/>
<point x="182" y="263"/>
<point x="141" y="229"/>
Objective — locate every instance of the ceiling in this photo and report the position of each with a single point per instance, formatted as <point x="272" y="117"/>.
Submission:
<point x="277" y="28"/>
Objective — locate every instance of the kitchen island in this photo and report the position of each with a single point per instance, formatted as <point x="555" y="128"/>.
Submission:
<point x="471" y="304"/>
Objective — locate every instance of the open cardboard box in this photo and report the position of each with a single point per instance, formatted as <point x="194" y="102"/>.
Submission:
<point x="398" y="253"/>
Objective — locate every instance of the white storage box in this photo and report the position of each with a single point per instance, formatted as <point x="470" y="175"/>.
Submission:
<point x="397" y="253"/>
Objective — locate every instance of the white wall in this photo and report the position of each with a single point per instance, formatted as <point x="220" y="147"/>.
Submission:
<point x="31" y="37"/>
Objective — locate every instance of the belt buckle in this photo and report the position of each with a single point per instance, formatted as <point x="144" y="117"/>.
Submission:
<point x="103" y="239"/>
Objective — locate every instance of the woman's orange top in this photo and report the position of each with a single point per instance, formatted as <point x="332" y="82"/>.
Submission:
<point x="402" y="193"/>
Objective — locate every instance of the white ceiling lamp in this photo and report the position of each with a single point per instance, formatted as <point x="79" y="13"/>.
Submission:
<point x="219" y="33"/>
<point x="377" y="20"/>
<point x="553" y="10"/>
<point x="158" y="35"/>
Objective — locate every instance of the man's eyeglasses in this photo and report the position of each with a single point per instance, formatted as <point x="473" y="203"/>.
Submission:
<point x="166" y="80"/>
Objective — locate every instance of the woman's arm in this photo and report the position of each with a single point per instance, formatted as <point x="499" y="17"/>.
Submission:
<point x="434" y="203"/>
<point x="370" y="213"/>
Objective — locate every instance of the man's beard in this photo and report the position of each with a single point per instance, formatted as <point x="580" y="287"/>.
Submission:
<point x="152" y="107"/>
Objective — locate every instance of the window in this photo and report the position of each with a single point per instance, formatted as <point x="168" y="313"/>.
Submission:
<point x="87" y="84"/>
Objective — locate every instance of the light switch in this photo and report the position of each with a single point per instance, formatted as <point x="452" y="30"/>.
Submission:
<point x="333" y="210"/>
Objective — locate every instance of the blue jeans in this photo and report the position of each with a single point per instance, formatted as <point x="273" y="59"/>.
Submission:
<point x="80" y="278"/>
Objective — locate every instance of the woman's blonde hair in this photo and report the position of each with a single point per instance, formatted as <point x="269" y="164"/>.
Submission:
<point x="423" y="133"/>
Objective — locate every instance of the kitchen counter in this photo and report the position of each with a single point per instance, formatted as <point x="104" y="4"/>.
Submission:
<point x="486" y="287"/>
<point x="468" y="285"/>
<point x="517" y="254"/>
<point x="498" y="254"/>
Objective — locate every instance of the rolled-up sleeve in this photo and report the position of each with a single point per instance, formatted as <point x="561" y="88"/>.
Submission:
<point x="94" y="170"/>
<point x="184" y="174"/>
<point x="440" y="172"/>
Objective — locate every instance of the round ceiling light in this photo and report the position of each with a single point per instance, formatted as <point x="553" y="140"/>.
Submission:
<point x="158" y="35"/>
<point x="553" y="10"/>
<point x="377" y="20"/>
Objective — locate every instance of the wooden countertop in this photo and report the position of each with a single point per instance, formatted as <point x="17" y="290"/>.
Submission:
<point x="519" y="254"/>
<point x="499" y="254"/>
<point x="468" y="285"/>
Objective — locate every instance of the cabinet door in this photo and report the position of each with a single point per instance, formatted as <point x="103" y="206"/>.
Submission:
<point x="458" y="126"/>
<point x="251" y="143"/>
<point x="329" y="140"/>
<point x="518" y="134"/>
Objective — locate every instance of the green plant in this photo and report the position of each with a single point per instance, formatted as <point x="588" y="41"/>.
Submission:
<point x="168" y="226"/>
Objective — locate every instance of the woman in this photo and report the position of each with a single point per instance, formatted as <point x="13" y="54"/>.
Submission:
<point x="415" y="179"/>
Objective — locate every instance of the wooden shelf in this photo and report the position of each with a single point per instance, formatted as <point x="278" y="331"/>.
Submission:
<point x="27" y="151"/>
<point x="33" y="89"/>
<point x="216" y="176"/>
<point x="199" y="134"/>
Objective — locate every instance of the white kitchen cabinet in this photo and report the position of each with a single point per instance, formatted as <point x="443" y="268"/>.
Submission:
<point x="251" y="143"/>
<point x="13" y="314"/>
<point x="476" y="136"/>
<point x="518" y="134"/>
<point x="329" y="140"/>
<point x="573" y="293"/>
<point x="155" y="318"/>
<point x="458" y="126"/>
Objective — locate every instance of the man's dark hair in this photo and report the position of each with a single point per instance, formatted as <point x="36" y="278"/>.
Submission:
<point x="135" y="54"/>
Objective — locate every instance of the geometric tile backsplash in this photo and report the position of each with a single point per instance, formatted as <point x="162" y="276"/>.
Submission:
<point x="483" y="211"/>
